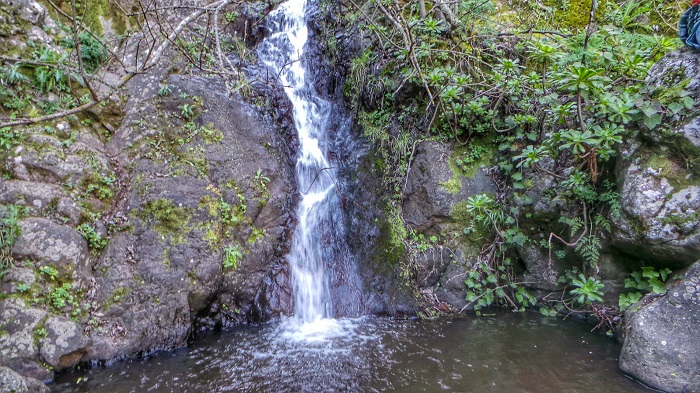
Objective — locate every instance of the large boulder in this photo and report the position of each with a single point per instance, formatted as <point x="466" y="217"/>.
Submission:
<point x="661" y="344"/>
<point x="660" y="203"/>
<point x="660" y="173"/>
<point x="434" y="205"/>
<point x="33" y="338"/>
<point x="41" y="199"/>
<point x="64" y="344"/>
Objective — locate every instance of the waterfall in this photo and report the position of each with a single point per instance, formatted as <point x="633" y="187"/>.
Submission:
<point x="317" y="212"/>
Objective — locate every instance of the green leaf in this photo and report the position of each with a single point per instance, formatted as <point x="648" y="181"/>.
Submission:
<point x="657" y="286"/>
<point x="652" y="121"/>
<point x="676" y="107"/>
<point x="664" y="273"/>
<point x="548" y="312"/>
<point x="649" y="272"/>
<point x="688" y="102"/>
<point x="500" y="293"/>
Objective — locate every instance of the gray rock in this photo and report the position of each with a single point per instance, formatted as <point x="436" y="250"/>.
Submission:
<point x="661" y="344"/>
<point x="691" y="131"/>
<point x="452" y="288"/>
<point x="680" y="64"/>
<point x="18" y="348"/>
<point x="19" y="321"/>
<point x="156" y="281"/>
<point x="673" y="69"/>
<point x="541" y="274"/>
<point x="36" y="386"/>
<point x="426" y="201"/>
<point x="40" y="198"/>
<point x="65" y="344"/>
<point x="660" y="193"/>
<point x="11" y="382"/>
<point x="659" y="221"/>
<point x="45" y="161"/>
<point x="15" y="277"/>
<point x="49" y="243"/>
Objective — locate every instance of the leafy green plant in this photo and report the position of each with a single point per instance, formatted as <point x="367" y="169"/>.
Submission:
<point x="61" y="296"/>
<point x="92" y="51"/>
<point x="556" y="105"/>
<point x="49" y="271"/>
<point x="100" y="186"/>
<point x="487" y="286"/>
<point x="95" y="241"/>
<point x="232" y="256"/>
<point x="165" y="90"/>
<point x="187" y="110"/>
<point x="9" y="233"/>
<point x="261" y="180"/>
<point x="8" y="138"/>
<point x="648" y="280"/>
<point x="588" y="289"/>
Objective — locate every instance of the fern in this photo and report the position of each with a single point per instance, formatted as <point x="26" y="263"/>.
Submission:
<point x="589" y="249"/>
<point x="613" y="200"/>
<point x="574" y="223"/>
<point x="602" y="223"/>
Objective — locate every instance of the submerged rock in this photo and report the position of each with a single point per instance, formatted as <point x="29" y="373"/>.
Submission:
<point x="661" y="344"/>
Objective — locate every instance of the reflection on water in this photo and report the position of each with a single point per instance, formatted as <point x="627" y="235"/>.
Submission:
<point x="505" y="353"/>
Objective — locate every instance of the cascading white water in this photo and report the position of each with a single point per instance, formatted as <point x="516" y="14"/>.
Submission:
<point x="283" y="51"/>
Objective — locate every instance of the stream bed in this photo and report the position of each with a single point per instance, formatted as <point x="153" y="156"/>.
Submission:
<point x="501" y="353"/>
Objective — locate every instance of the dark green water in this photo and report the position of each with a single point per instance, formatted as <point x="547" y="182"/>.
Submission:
<point x="504" y="353"/>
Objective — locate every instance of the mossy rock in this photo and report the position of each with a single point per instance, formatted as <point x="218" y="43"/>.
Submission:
<point x="577" y="14"/>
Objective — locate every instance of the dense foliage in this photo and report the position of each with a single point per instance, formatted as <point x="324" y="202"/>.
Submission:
<point x="556" y="87"/>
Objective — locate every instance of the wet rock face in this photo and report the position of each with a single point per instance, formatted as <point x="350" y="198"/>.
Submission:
<point x="18" y="348"/>
<point x="188" y="205"/>
<point x="32" y="337"/>
<point x="660" y="220"/>
<point x="660" y="346"/>
<point x="432" y="195"/>
<point x="64" y="344"/>
<point x="184" y="193"/>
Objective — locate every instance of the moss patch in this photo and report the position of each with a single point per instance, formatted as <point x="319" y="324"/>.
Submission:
<point x="453" y="185"/>
<point x="166" y="218"/>
<point x="677" y="175"/>
<point x="466" y="161"/>
<point x="574" y="14"/>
